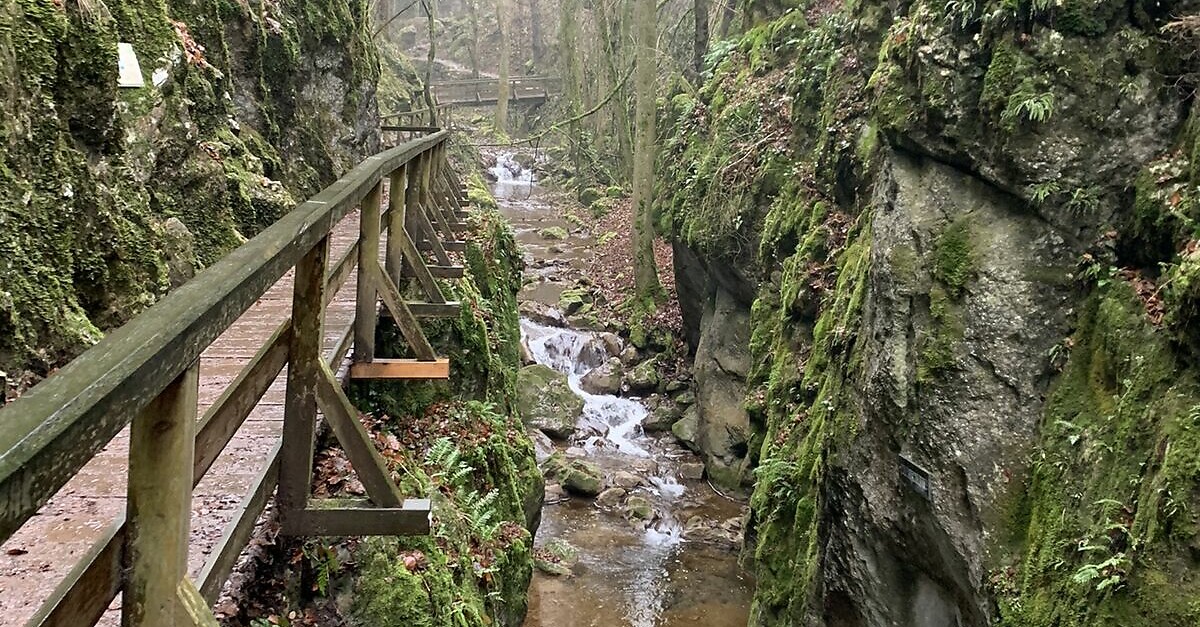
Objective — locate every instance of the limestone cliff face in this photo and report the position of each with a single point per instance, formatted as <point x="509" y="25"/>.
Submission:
<point x="964" y="241"/>
<point x="112" y="196"/>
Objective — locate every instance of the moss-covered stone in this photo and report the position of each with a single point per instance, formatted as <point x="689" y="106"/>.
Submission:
<point x="91" y="173"/>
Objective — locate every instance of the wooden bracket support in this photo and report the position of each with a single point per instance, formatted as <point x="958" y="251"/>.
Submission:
<point x="401" y="369"/>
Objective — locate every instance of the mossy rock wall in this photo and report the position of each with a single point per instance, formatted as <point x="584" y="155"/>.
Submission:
<point x="109" y="196"/>
<point x="953" y="221"/>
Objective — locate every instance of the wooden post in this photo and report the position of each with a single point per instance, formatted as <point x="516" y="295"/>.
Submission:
<point x="368" y="253"/>
<point x="159" y="505"/>
<point x="396" y="218"/>
<point x="304" y="372"/>
<point x="412" y="198"/>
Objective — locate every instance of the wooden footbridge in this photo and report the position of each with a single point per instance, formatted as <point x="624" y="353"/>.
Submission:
<point x="484" y="91"/>
<point x="141" y="467"/>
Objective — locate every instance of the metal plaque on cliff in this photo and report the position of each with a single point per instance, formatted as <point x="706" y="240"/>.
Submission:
<point x="916" y="477"/>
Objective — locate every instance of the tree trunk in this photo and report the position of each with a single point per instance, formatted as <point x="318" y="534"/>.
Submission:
<point x="536" y="42"/>
<point x="727" y="14"/>
<point x="647" y="289"/>
<point x="700" y="42"/>
<point x="429" y="64"/>
<point x="473" y="8"/>
<point x="502" y="86"/>
<point x="568" y="36"/>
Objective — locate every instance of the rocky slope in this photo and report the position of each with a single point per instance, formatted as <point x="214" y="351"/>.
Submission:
<point x="112" y="195"/>
<point x="938" y="264"/>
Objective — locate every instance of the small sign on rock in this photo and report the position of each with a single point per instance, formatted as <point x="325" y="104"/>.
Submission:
<point x="916" y="477"/>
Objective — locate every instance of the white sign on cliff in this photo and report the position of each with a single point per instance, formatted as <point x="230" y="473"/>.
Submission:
<point x="129" y="72"/>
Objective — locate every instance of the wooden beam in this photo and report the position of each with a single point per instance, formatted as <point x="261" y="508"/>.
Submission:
<point x="401" y="369"/>
<point x="83" y="596"/>
<point x="341" y="273"/>
<point x="193" y="609"/>
<point x="456" y="246"/>
<point x="420" y="309"/>
<point x="409" y="327"/>
<point x="300" y="405"/>
<point x="410" y="519"/>
<point x="417" y="266"/>
<point x="447" y="272"/>
<point x="342" y="418"/>
<point x="366" y="298"/>
<point x="396" y="217"/>
<point x="159" y="503"/>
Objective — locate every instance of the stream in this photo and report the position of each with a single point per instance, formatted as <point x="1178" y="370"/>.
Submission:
<point x="636" y="575"/>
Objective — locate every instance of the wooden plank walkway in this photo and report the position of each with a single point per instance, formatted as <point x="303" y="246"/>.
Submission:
<point x="37" y="557"/>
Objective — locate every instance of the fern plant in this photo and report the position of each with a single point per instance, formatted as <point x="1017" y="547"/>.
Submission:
<point x="324" y="562"/>
<point x="1033" y="106"/>
<point x="449" y="468"/>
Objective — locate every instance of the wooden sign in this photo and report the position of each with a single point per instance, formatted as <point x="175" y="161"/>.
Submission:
<point x="916" y="477"/>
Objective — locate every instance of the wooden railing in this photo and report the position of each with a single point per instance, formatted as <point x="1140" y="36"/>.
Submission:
<point x="483" y="91"/>
<point x="408" y="125"/>
<point x="145" y="375"/>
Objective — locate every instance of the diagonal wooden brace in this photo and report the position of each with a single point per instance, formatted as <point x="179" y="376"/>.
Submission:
<point x="342" y="418"/>
<point x="409" y="326"/>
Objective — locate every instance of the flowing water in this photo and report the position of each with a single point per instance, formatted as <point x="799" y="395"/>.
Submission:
<point x="627" y="575"/>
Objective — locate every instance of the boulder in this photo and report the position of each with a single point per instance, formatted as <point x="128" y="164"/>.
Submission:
<point x="627" y="480"/>
<point x="687" y="398"/>
<point x="543" y="446"/>
<point x="727" y="535"/>
<point x="547" y="401"/>
<point x="611" y="497"/>
<point x="555" y="494"/>
<point x="629" y="356"/>
<point x="644" y="467"/>
<point x="605" y="379"/>
<point x="526" y="354"/>
<point x="542" y="314"/>
<point x="612" y="343"/>
<point x="575" y="301"/>
<point x="661" y="418"/>
<point x="577" y="476"/>
<point x="643" y="377"/>
<point x="687" y="428"/>
<point x="590" y="195"/>
<point x="557" y="558"/>
<point x="553" y="233"/>
<point x="638" y="508"/>
<point x="691" y="470"/>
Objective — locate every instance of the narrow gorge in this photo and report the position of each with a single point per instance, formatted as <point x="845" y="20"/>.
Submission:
<point x="840" y="313"/>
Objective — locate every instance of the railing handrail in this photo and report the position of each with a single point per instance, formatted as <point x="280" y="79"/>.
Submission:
<point x="55" y="428"/>
<point x="488" y="81"/>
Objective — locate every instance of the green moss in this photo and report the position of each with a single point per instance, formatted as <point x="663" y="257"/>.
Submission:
<point x="1005" y="71"/>
<point x="1119" y="449"/>
<point x="953" y="264"/>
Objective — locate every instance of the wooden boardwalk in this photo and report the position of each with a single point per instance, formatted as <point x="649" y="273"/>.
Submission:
<point x="49" y="545"/>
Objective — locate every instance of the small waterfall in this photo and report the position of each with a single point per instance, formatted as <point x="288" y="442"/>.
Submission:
<point x="613" y="424"/>
<point x="512" y="179"/>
